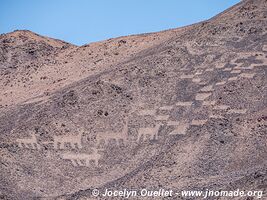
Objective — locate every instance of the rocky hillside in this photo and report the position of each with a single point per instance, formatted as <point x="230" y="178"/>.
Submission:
<point x="183" y="109"/>
<point x="33" y="66"/>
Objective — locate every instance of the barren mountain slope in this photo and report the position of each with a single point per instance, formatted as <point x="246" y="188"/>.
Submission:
<point x="186" y="112"/>
<point x="32" y="66"/>
<point x="23" y="54"/>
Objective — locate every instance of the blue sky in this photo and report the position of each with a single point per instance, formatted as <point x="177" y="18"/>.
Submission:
<point x="84" y="21"/>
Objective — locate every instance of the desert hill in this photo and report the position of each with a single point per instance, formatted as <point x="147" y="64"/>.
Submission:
<point x="178" y="109"/>
<point x="33" y="66"/>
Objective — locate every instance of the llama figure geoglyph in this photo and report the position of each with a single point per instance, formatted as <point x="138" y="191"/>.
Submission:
<point x="73" y="140"/>
<point x="29" y="142"/>
<point x="82" y="159"/>
<point x="117" y="136"/>
<point x="151" y="132"/>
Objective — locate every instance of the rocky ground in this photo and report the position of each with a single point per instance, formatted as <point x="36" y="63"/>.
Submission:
<point x="179" y="109"/>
